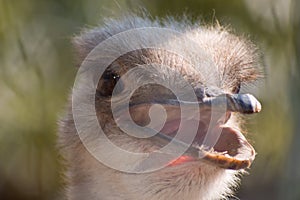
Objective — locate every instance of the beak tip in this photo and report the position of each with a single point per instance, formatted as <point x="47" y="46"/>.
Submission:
<point x="258" y="107"/>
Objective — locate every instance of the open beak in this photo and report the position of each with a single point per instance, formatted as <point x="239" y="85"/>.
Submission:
<point x="231" y="150"/>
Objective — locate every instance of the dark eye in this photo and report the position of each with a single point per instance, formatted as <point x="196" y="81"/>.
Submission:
<point x="107" y="84"/>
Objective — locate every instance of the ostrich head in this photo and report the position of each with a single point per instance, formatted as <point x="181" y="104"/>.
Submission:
<point x="208" y="167"/>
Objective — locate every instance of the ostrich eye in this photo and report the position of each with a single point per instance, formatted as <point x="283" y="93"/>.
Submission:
<point x="108" y="84"/>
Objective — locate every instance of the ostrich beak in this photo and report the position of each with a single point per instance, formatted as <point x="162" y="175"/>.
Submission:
<point x="244" y="152"/>
<point x="231" y="151"/>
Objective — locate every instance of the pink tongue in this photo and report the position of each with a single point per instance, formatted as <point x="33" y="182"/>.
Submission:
<point x="170" y="128"/>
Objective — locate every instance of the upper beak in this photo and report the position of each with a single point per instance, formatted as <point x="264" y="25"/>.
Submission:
<point x="242" y="103"/>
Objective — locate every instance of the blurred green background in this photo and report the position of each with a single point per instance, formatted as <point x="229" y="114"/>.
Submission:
<point x="37" y="72"/>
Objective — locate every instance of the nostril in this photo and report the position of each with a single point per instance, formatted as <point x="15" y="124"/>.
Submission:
<point x="200" y="93"/>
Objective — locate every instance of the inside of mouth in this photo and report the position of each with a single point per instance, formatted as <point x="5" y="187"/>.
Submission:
<point x="213" y="138"/>
<point x="217" y="139"/>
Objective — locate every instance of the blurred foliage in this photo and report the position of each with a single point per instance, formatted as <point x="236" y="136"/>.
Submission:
<point x="37" y="72"/>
